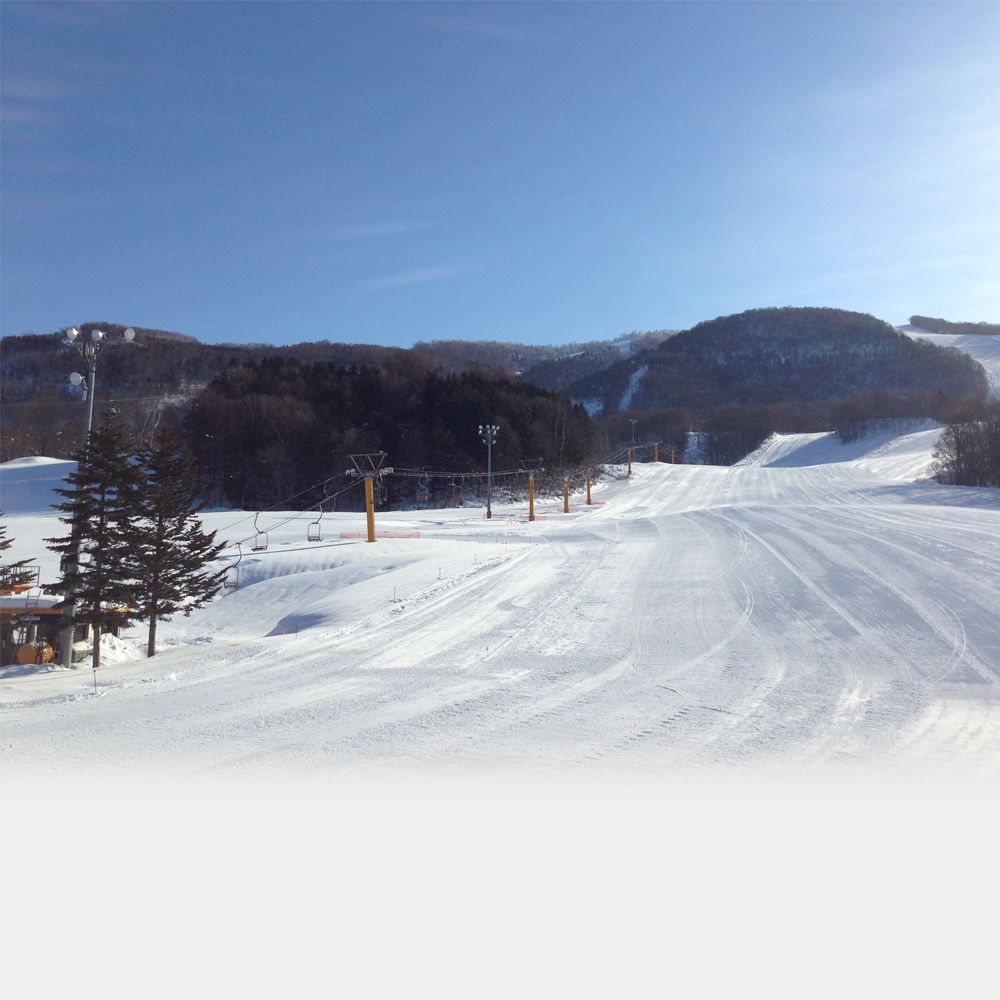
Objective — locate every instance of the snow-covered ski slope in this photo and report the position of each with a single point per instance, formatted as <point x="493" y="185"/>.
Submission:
<point x="984" y="349"/>
<point x="814" y="606"/>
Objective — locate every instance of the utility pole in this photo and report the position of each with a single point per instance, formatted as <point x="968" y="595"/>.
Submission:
<point x="488" y="432"/>
<point x="531" y="467"/>
<point x="630" y="461"/>
<point x="589" y="501"/>
<point x="369" y="466"/>
<point x="633" y="421"/>
<point x="89" y="349"/>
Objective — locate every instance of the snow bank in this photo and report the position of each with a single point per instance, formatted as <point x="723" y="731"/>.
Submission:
<point x="27" y="484"/>
<point x="887" y="454"/>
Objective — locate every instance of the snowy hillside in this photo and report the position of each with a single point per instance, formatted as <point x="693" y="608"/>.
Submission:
<point x="813" y="606"/>
<point x="985" y="350"/>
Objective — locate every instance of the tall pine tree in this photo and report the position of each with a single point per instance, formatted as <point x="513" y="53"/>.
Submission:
<point x="100" y="509"/>
<point x="13" y="574"/>
<point x="173" y="547"/>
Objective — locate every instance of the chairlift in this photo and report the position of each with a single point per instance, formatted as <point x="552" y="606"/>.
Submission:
<point x="423" y="489"/>
<point x="232" y="577"/>
<point x="313" y="532"/>
<point x="260" y="538"/>
<point x="381" y="495"/>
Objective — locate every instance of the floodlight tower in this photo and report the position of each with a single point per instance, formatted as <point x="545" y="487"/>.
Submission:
<point x="488" y="432"/>
<point x="90" y="350"/>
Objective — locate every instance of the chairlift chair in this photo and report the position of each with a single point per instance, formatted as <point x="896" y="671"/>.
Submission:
<point x="314" y="533"/>
<point x="260" y="538"/>
<point x="232" y="578"/>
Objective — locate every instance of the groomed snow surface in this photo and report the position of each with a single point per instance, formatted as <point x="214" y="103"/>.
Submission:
<point x="818" y="604"/>
<point x="604" y="709"/>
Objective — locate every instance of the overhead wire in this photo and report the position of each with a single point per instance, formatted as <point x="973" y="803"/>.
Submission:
<point x="540" y="477"/>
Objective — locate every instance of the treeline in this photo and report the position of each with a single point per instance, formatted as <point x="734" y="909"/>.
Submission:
<point x="968" y="453"/>
<point x="266" y="430"/>
<point x="934" y="324"/>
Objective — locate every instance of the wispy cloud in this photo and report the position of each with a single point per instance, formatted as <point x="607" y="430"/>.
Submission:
<point x="416" y="276"/>
<point x="68" y="15"/>
<point x="359" y="231"/>
<point x="22" y="114"/>
<point x="32" y="100"/>
<point x="33" y="88"/>
<point x="476" y="28"/>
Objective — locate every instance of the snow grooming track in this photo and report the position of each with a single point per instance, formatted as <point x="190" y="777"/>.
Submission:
<point x="812" y="605"/>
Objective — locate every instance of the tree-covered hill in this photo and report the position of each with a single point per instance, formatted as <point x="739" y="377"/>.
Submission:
<point x="935" y="325"/>
<point x="789" y="355"/>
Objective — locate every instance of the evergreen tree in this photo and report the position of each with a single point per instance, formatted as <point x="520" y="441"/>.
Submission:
<point x="100" y="507"/>
<point x="13" y="574"/>
<point x="173" y="547"/>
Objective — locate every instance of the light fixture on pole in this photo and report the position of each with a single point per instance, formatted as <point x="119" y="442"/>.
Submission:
<point x="488" y="432"/>
<point x="90" y="349"/>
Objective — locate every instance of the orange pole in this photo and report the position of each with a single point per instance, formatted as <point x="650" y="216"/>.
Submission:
<point x="588" y="490"/>
<point x="370" y="506"/>
<point x="565" y="496"/>
<point x="531" y="496"/>
<point x="630" y="461"/>
<point x="673" y="457"/>
<point x="656" y="452"/>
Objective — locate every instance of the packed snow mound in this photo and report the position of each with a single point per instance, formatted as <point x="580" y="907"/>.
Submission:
<point x="887" y="454"/>
<point x="27" y="484"/>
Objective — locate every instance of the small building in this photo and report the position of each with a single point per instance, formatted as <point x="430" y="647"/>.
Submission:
<point x="30" y="622"/>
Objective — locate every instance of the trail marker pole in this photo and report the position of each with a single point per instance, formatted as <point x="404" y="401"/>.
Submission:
<point x="566" y="495"/>
<point x="589" y="502"/>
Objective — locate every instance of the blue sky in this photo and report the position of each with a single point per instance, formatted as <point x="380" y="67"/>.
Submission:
<point x="543" y="173"/>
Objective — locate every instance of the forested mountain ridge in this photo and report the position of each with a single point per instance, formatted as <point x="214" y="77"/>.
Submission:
<point x="164" y="369"/>
<point x="171" y="363"/>
<point x="737" y="377"/>
<point x="766" y="356"/>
